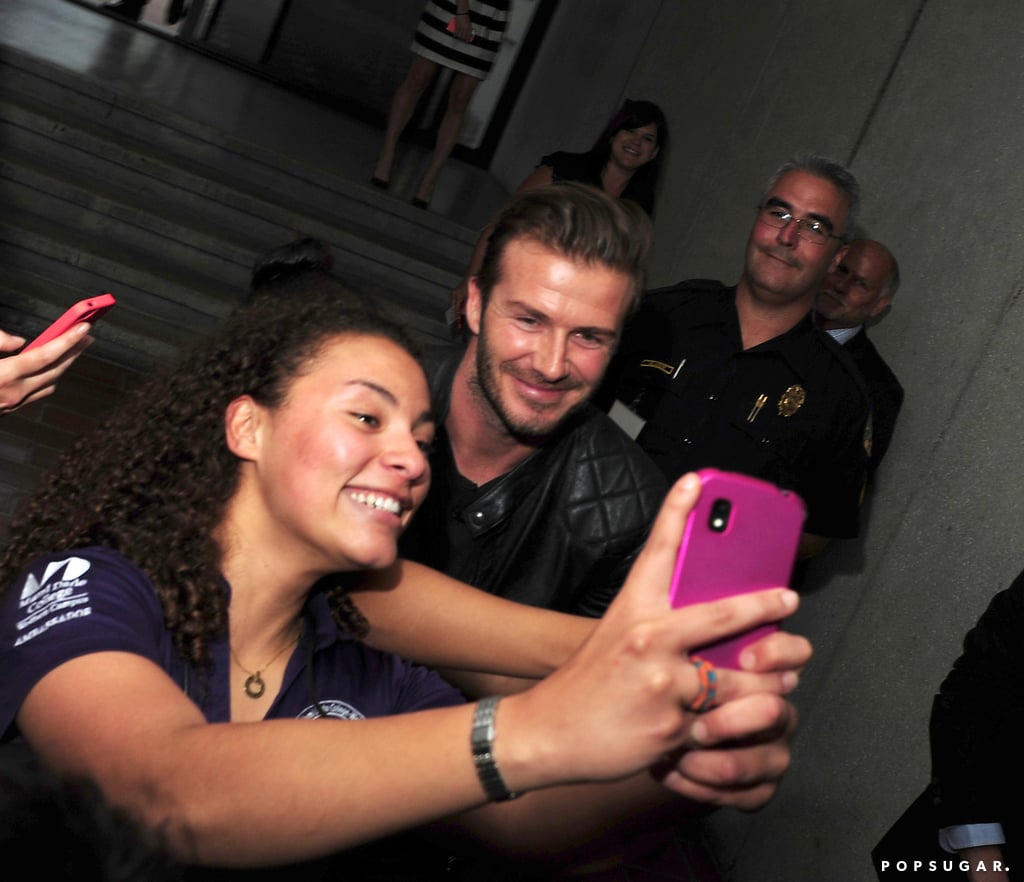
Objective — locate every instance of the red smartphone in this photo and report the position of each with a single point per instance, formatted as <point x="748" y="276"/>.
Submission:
<point x="743" y="535"/>
<point x="88" y="310"/>
<point x="451" y="28"/>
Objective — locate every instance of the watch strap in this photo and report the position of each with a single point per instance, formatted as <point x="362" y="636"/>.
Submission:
<point x="482" y="744"/>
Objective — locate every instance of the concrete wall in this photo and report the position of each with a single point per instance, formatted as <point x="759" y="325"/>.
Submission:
<point x="923" y="99"/>
<point x="577" y="81"/>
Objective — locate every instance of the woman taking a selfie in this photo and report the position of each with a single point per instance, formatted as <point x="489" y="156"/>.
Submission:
<point x="180" y="630"/>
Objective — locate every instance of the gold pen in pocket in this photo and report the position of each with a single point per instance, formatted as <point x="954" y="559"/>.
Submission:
<point x="762" y="400"/>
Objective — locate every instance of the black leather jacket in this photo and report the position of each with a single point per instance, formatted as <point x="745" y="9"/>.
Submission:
<point x="559" y="531"/>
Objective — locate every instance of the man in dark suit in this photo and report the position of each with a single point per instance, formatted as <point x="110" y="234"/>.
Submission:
<point x="860" y="288"/>
<point x="967" y="824"/>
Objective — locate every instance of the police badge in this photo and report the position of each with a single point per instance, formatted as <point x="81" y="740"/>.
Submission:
<point x="792" y="400"/>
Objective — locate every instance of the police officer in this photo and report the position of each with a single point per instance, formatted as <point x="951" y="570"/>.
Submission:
<point x="739" y="378"/>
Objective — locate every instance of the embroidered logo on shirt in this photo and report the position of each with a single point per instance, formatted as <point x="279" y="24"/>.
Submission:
<point x="339" y="710"/>
<point x="57" y="597"/>
<point x="74" y="569"/>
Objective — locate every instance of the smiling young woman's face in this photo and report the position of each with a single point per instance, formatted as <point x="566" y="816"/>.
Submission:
<point x="341" y="464"/>
<point x="634" y="148"/>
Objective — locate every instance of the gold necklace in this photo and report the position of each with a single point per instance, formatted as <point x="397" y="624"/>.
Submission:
<point x="254" y="685"/>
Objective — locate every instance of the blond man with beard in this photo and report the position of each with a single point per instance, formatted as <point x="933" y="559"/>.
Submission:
<point x="538" y="496"/>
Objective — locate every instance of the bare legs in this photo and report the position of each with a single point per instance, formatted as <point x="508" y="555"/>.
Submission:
<point x="421" y="74"/>
<point x="459" y="95"/>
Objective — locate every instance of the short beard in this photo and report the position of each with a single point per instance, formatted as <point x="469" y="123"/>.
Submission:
<point x="486" y="389"/>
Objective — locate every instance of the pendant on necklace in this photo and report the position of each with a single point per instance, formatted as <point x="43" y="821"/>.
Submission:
<point x="254" y="686"/>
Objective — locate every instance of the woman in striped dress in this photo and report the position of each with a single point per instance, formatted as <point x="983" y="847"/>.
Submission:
<point x="463" y="35"/>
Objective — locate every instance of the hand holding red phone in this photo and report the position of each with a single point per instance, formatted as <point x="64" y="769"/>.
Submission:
<point x="89" y="310"/>
<point x="461" y="27"/>
<point x="29" y="376"/>
<point x="33" y="373"/>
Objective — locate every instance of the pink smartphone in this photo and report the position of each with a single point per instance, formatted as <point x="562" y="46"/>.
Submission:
<point x="88" y="310"/>
<point x="451" y="26"/>
<point x="743" y="535"/>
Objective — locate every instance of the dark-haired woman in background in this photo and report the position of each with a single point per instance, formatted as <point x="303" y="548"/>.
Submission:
<point x="625" y="162"/>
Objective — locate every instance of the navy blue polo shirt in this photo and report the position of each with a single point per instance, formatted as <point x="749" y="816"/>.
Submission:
<point x="88" y="600"/>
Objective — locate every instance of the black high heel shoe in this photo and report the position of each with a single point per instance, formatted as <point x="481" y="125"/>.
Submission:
<point x="420" y="203"/>
<point x="380" y="183"/>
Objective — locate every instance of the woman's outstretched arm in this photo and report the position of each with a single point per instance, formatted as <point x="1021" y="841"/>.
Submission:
<point x="433" y="619"/>
<point x="252" y="794"/>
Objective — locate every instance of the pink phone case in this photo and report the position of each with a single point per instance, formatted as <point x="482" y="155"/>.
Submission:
<point x="88" y="310"/>
<point x="743" y="535"/>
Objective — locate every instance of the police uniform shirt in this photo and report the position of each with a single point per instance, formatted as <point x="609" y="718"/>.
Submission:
<point x="791" y="410"/>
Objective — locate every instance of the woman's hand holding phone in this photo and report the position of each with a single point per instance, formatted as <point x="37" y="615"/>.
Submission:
<point x="461" y="27"/>
<point x="88" y="311"/>
<point x="631" y="683"/>
<point x="31" y="375"/>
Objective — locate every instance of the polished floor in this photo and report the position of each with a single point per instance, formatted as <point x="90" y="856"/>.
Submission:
<point x="147" y="62"/>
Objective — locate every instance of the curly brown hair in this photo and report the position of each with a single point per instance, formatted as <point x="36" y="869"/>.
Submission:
<point x="154" y="480"/>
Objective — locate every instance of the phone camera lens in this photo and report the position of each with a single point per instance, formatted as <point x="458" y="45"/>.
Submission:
<point x="718" y="520"/>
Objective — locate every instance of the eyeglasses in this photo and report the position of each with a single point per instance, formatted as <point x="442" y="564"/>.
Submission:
<point x="806" y="229"/>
